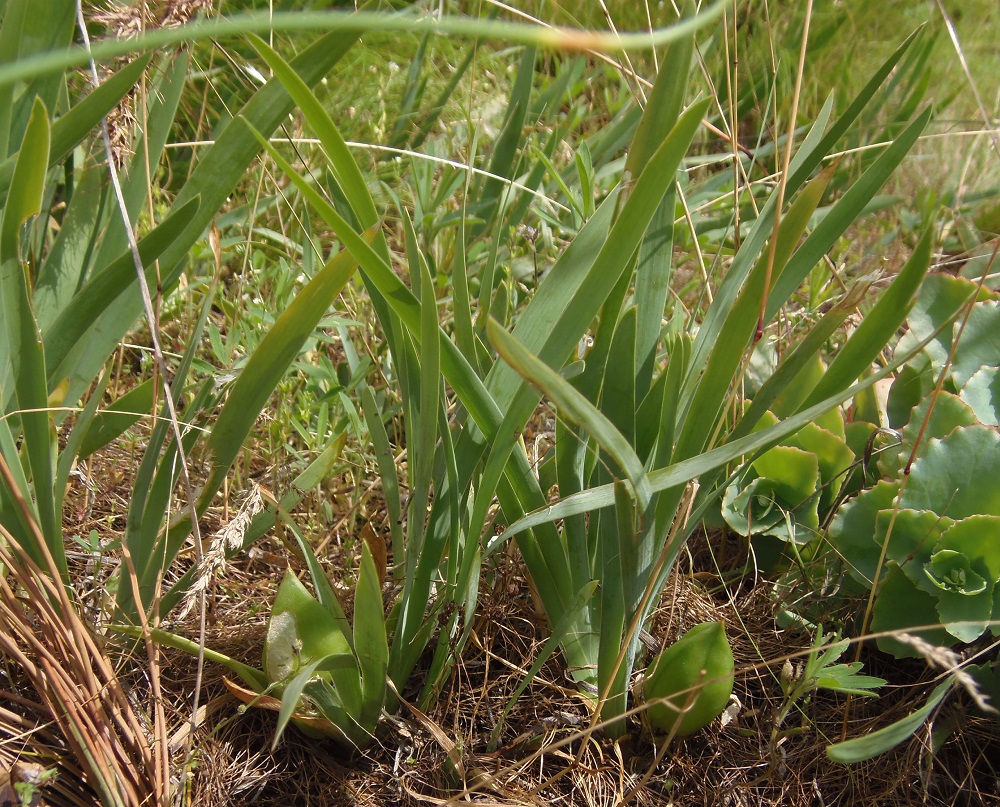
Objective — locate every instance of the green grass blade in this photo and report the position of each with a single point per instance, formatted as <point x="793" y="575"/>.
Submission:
<point x="884" y="739"/>
<point x="387" y="473"/>
<point x="505" y="148"/>
<point x="701" y="412"/>
<point x="344" y="168"/>
<point x="462" y="305"/>
<point x="810" y="155"/>
<point x="412" y="94"/>
<point x="653" y="272"/>
<point x="422" y="434"/>
<point x="573" y="406"/>
<point x="269" y="363"/>
<point x="77" y="124"/>
<point x="159" y="120"/>
<point x="846" y="212"/>
<point x="325" y="594"/>
<point x="680" y="473"/>
<point x="351" y="25"/>
<point x="578" y="309"/>
<point x="22" y="339"/>
<point x="25" y="200"/>
<point x="63" y="271"/>
<point x="113" y="421"/>
<point x="521" y="493"/>
<point x="405" y="306"/>
<point x="796" y="362"/>
<point x="223" y="165"/>
<point x="76" y="322"/>
<point x="370" y="642"/>
<point x="253" y="678"/>
<point x="618" y="400"/>
<point x="318" y="470"/>
<point x="31" y="29"/>
<point x="10" y="45"/>
<point x="665" y="101"/>
<point x="879" y="326"/>
<point x="620" y="568"/>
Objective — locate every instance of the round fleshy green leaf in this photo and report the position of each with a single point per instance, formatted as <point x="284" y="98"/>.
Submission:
<point x="912" y="385"/>
<point x="980" y="343"/>
<point x="965" y="616"/>
<point x="914" y="537"/>
<point x="978" y="538"/>
<point x="951" y="571"/>
<point x="941" y="299"/>
<point x="901" y="606"/>
<point x="832" y="454"/>
<point x="299" y="631"/>
<point x="781" y="501"/>
<point x="852" y="532"/>
<point x="982" y="393"/>
<point x="948" y="414"/>
<point x="957" y="475"/>
<point x="793" y="472"/>
<point x="696" y="671"/>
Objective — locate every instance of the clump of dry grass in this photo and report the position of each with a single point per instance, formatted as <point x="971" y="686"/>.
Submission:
<point x="107" y="743"/>
<point x="127" y="21"/>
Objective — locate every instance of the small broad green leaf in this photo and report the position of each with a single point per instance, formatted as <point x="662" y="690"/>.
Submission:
<point x="885" y="739"/>
<point x="832" y="455"/>
<point x="689" y="684"/>
<point x="794" y="471"/>
<point x="337" y="721"/>
<point x="299" y="632"/>
<point x="845" y="678"/>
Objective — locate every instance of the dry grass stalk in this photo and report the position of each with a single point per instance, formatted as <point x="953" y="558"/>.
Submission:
<point x="128" y="21"/>
<point x="950" y="662"/>
<point x="228" y="539"/>
<point x="75" y="682"/>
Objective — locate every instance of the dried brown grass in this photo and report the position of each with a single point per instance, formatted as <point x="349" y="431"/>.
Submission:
<point x="76" y="689"/>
